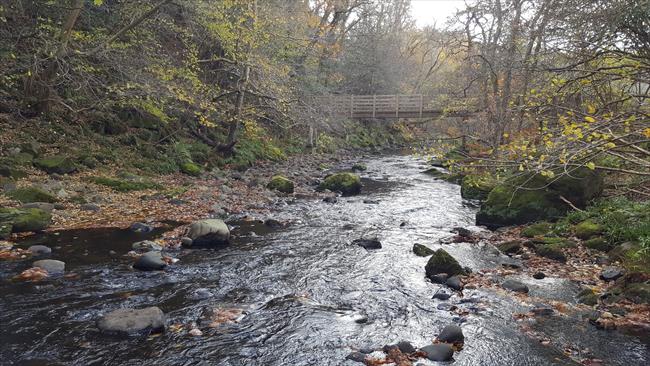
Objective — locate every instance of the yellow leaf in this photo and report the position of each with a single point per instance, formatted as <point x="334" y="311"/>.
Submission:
<point x="591" y="165"/>
<point x="591" y="109"/>
<point x="590" y="119"/>
<point x="646" y="132"/>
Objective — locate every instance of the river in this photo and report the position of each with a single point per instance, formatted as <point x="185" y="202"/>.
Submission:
<point x="305" y="291"/>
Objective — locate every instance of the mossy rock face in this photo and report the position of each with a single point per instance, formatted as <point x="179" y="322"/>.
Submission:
<point x="587" y="229"/>
<point x="31" y="194"/>
<point x="422" y="250"/>
<point x="23" y="220"/>
<point x="476" y="187"/>
<point x="124" y="185"/>
<point x="537" y="229"/>
<point x="346" y="183"/>
<point x="56" y="164"/>
<point x="359" y="167"/>
<point x="539" y="199"/>
<point x="280" y="184"/>
<point x="598" y="243"/>
<point x="443" y="262"/>
<point x="638" y="293"/>
<point x="190" y="168"/>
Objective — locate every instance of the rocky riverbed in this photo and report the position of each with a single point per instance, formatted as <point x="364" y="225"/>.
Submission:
<point x="302" y="279"/>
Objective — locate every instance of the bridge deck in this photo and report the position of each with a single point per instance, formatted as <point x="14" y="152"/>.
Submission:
<point x="383" y="106"/>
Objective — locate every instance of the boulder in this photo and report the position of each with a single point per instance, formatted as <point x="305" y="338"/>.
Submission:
<point x="439" y="278"/>
<point x="510" y="247"/>
<point x="454" y="283"/>
<point x="55" y="164"/>
<point x="281" y="184"/>
<point x="356" y="357"/>
<point x="451" y="334"/>
<point x="406" y="347"/>
<point x="39" y="250"/>
<point x="346" y="183"/>
<point x="598" y="243"/>
<point x="45" y="206"/>
<point x="146" y="245"/>
<point x="539" y="275"/>
<point x="611" y="273"/>
<point x="30" y="195"/>
<point x="53" y="267"/>
<point x="533" y="198"/>
<point x="536" y="229"/>
<point x="150" y="261"/>
<point x="208" y="232"/>
<point x="190" y="168"/>
<point x="515" y="286"/>
<point x="23" y="220"/>
<point x="422" y="250"/>
<point x="438" y="352"/>
<point x="551" y="252"/>
<point x="587" y="229"/>
<point x="133" y="321"/>
<point x="442" y="262"/>
<point x="367" y="243"/>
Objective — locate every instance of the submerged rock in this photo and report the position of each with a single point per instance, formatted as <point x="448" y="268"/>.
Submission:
<point x="150" y="261"/>
<point x="442" y="262"/>
<point x="209" y="232"/>
<point x="451" y="334"/>
<point x="438" y="352"/>
<point x="422" y="250"/>
<point x="515" y="286"/>
<point x="53" y="267"/>
<point x="133" y="321"/>
<point x="39" y="250"/>
<point x="368" y="243"/>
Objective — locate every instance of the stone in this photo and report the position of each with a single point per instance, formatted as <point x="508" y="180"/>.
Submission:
<point x="611" y="273"/>
<point x="587" y="229"/>
<point x="209" y="233"/>
<point x="19" y="220"/>
<point x="371" y="202"/>
<point x="638" y="293"/>
<point x="186" y="242"/>
<point x="441" y="295"/>
<point x="45" y="206"/>
<point x="451" y="334"/>
<point x="90" y="207"/>
<point x="368" y="244"/>
<point x="146" y="245"/>
<point x="510" y="247"/>
<point x="550" y="252"/>
<point x="514" y="286"/>
<point x="438" y="352"/>
<point x="598" y="243"/>
<point x="461" y="231"/>
<point x="281" y="184"/>
<point x="30" y="195"/>
<point x="542" y="310"/>
<point x="587" y="297"/>
<point x="55" y="164"/>
<point x="330" y="199"/>
<point x="442" y="262"/>
<point x="422" y="250"/>
<point x="273" y="223"/>
<point x="406" y="347"/>
<point x="139" y="227"/>
<point x="454" y="283"/>
<point x="53" y="267"/>
<point x="536" y="229"/>
<point x="359" y="167"/>
<point x="39" y="250"/>
<point x="539" y="275"/>
<point x="190" y="168"/>
<point x="356" y="357"/>
<point x="150" y="261"/>
<point x="346" y="183"/>
<point x="439" y="278"/>
<point x="133" y="321"/>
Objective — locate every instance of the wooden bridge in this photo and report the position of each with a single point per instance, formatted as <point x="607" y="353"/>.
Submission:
<point x="385" y="106"/>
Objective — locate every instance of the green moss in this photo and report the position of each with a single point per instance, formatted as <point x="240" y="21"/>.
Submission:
<point x="281" y="184"/>
<point x="422" y="250"/>
<point x="56" y="164"/>
<point x="9" y="172"/>
<point x="22" y="158"/>
<point x="346" y="183"/>
<point x="537" y="229"/>
<point x="31" y="194"/>
<point x="587" y="229"/>
<point x="476" y="187"/>
<point x="510" y="247"/>
<point x="190" y="168"/>
<point x="23" y="220"/>
<point x="123" y="185"/>
<point x="442" y="262"/>
<point x="598" y="243"/>
<point x="550" y="252"/>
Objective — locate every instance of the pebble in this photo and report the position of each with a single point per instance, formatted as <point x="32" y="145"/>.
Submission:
<point x="515" y="286"/>
<point x="441" y="295"/>
<point x="39" y="250"/>
<point x="195" y="332"/>
<point x="53" y="267"/>
<point x="539" y="275"/>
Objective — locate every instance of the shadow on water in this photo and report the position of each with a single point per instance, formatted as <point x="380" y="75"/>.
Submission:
<point x="301" y="289"/>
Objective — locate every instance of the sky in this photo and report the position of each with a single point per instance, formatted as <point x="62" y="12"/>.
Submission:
<point x="428" y="12"/>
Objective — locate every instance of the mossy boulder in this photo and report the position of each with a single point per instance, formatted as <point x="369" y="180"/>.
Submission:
<point x="534" y="198"/>
<point x="31" y="194"/>
<point x="190" y="168"/>
<point x="22" y="220"/>
<point x="422" y="250"/>
<point x="434" y="172"/>
<point x="587" y="229"/>
<point x="359" y="167"/>
<point x="346" y="183"/>
<point x="598" y="243"/>
<point x="55" y="164"/>
<point x="10" y="172"/>
<point x="476" y="187"/>
<point x="125" y="185"/>
<point x="442" y="262"/>
<point x="536" y="229"/>
<point x="510" y="247"/>
<point x="550" y="252"/>
<point x="280" y="184"/>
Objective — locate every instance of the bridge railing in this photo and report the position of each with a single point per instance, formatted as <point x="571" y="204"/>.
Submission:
<point x="376" y="106"/>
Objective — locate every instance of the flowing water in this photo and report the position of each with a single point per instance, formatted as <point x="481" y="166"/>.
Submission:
<point x="302" y="289"/>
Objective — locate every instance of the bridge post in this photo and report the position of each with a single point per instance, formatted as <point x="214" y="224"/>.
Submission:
<point x="351" y="105"/>
<point x="374" y="105"/>
<point x="397" y="106"/>
<point x="421" y="104"/>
